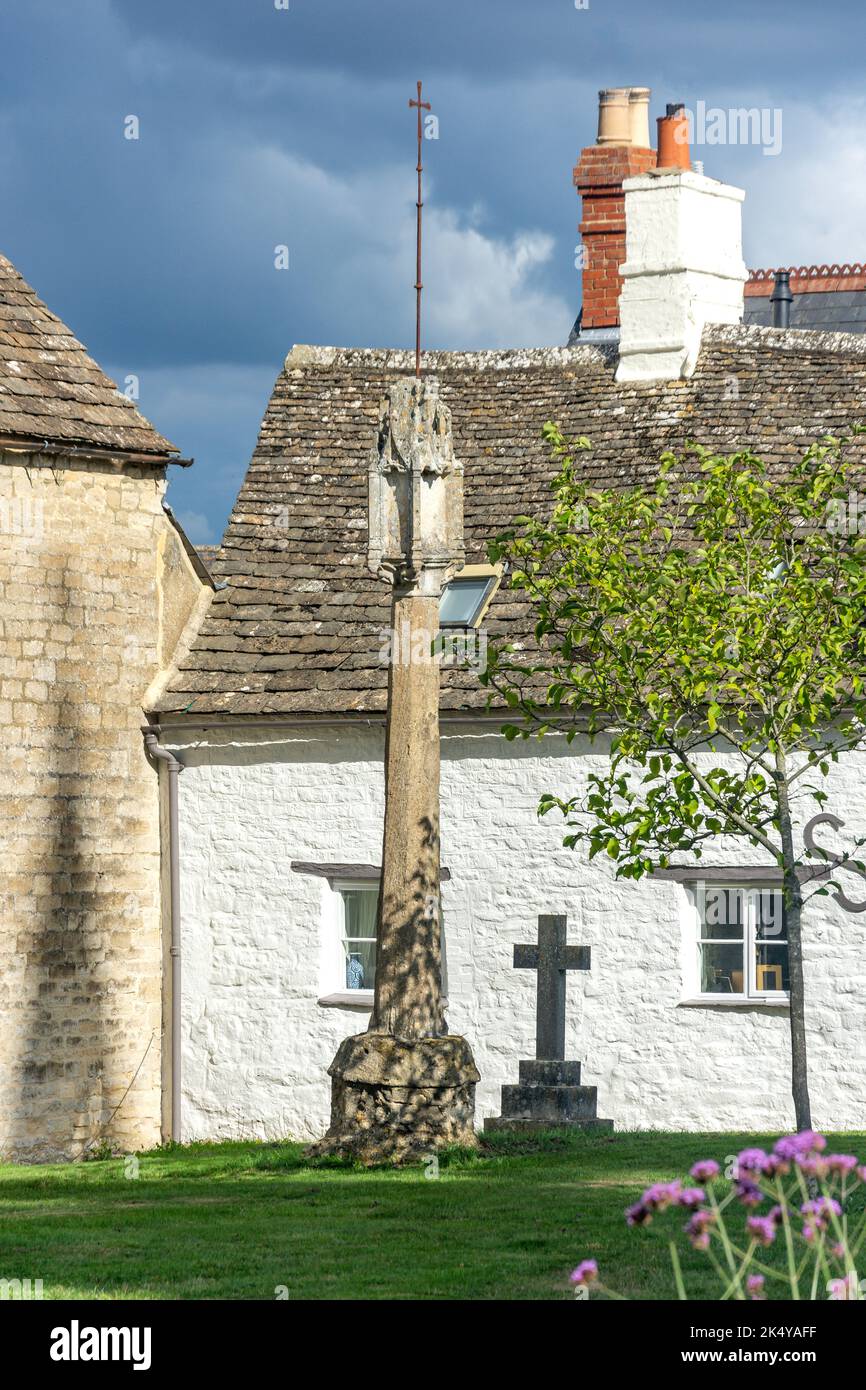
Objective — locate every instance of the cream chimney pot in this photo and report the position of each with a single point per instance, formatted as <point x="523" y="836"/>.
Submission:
<point x="638" y="116"/>
<point x="614" y="127"/>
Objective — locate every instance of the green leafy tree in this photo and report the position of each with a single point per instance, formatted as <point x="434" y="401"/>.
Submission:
<point x="717" y="610"/>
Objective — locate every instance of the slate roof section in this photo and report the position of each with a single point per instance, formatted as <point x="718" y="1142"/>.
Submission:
<point x="827" y="298"/>
<point x="298" y="628"/>
<point x="826" y="311"/>
<point x="52" y="391"/>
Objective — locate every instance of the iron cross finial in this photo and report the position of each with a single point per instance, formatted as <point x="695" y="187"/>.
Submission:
<point x="422" y="106"/>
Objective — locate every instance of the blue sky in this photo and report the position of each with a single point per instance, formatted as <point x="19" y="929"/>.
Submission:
<point x="261" y="127"/>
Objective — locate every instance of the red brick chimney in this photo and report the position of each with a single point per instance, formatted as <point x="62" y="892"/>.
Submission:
<point x="621" y="150"/>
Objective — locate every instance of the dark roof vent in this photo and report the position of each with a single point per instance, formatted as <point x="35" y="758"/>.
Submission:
<point x="781" y="300"/>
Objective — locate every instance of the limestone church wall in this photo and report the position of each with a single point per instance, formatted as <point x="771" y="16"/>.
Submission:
<point x="259" y="942"/>
<point x="94" y="586"/>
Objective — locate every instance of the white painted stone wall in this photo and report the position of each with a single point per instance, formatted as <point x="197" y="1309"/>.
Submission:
<point x="257" y="1043"/>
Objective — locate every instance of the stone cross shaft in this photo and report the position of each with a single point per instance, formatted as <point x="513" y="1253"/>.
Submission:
<point x="415" y="543"/>
<point x="551" y="957"/>
<point x="406" y="1087"/>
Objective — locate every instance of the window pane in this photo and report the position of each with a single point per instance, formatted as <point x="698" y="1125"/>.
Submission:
<point x="770" y="915"/>
<point x="359" y="936"/>
<point x="360" y="963"/>
<point x="721" y="913"/>
<point x="771" y="968"/>
<point x="359" y="911"/>
<point x="721" y="968"/>
<point x="461" y="600"/>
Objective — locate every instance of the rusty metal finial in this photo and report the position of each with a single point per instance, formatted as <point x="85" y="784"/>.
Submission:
<point x="422" y="106"/>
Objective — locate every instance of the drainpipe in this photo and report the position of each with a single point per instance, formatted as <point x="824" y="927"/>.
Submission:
<point x="157" y="754"/>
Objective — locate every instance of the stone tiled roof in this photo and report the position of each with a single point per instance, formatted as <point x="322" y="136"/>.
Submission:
<point x="52" y="391"/>
<point x="297" y="628"/>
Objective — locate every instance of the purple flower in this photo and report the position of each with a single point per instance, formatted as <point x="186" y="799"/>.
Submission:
<point x="841" y="1290"/>
<point x="776" y="1166"/>
<point x="660" y="1195"/>
<point x="761" y="1229"/>
<point x="751" y="1161"/>
<point x="707" y="1169"/>
<point x="797" y="1146"/>
<point x="838" y="1250"/>
<point x="861" y="1172"/>
<point x="586" y="1271"/>
<point x="748" y="1193"/>
<point x="755" y="1286"/>
<point x="777" y="1216"/>
<point x="691" y="1197"/>
<point x="697" y="1228"/>
<point x="638" y="1215"/>
<point x="820" y="1209"/>
<point x="843" y="1164"/>
<point x="813" y="1166"/>
<point x="812" y="1142"/>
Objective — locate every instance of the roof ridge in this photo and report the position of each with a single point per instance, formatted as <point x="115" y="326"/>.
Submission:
<point x="786" y="339"/>
<point x="304" y="356"/>
<point x="810" y="272"/>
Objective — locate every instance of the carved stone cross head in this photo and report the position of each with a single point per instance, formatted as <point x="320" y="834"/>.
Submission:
<point x="415" y="491"/>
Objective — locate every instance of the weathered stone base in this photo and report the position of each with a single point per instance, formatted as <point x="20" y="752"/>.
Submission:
<point x="396" y="1100"/>
<point x="508" y="1124"/>
<point x="548" y="1096"/>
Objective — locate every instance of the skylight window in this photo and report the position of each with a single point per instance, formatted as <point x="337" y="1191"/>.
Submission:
<point x="465" y="600"/>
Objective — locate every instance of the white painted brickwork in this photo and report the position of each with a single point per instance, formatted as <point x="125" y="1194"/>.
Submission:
<point x="257" y="1043"/>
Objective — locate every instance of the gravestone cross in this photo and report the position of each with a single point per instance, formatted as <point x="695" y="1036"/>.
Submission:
<point x="551" y="957"/>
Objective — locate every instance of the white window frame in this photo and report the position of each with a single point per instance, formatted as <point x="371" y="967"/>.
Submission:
<point x="332" y="956"/>
<point x="333" y="989"/>
<point x="748" y="942"/>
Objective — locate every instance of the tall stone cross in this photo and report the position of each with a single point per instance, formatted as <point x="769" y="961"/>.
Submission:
<point x="551" y="957"/>
<point x="407" y="1086"/>
<point x="415" y="545"/>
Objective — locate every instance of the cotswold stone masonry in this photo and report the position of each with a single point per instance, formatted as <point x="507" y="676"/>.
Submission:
<point x="95" y="588"/>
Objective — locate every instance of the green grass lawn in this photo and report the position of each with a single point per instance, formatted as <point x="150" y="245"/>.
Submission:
<point x="237" y="1220"/>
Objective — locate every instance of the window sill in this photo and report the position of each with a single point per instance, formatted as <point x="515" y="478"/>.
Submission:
<point x="733" y="1001"/>
<point x="348" y="999"/>
<point x="361" y="999"/>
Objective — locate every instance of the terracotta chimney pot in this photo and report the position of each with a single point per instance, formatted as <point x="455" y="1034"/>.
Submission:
<point x="673" y="139"/>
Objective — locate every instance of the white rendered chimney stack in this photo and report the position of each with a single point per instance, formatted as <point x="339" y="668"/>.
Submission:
<point x="683" y="268"/>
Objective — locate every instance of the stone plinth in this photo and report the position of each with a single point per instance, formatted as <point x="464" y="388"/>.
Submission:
<point x="394" y="1100"/>
<point x="548" y="1096"/>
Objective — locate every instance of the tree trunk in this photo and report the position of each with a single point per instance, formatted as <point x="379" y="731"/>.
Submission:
<point x="793" y="899"/>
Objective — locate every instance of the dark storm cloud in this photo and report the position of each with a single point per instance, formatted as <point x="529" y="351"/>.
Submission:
<point x="261" y="127"/>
